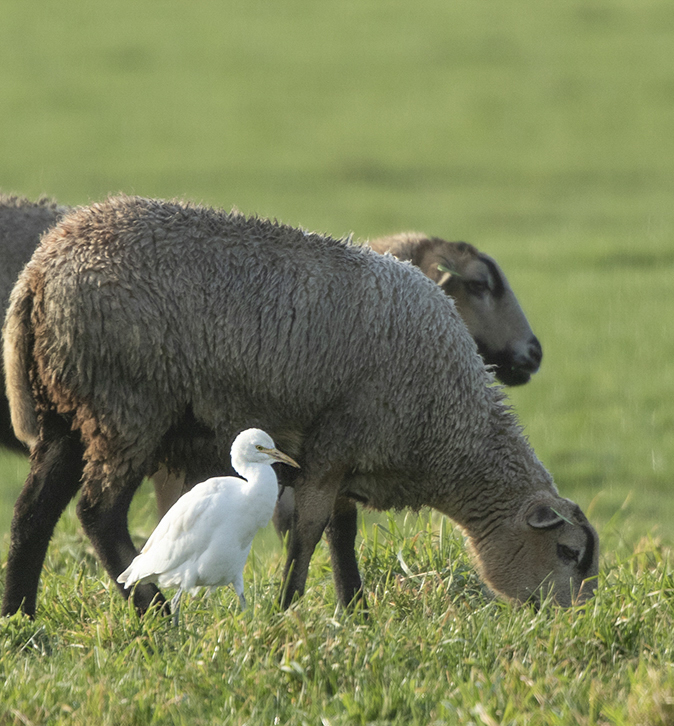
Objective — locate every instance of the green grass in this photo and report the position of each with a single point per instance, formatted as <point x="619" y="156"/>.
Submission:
<point x="433" y="650"/>
<point x="543" y="133"/>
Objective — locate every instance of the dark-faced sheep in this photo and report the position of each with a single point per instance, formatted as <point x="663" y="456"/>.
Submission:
<point x="483" y="298"/>
<point x="146" y="332"/>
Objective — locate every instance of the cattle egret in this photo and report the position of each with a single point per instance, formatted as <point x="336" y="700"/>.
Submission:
<point x="204" y="538"/>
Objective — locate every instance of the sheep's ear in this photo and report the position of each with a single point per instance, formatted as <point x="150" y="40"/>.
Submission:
<point x="545" y="517"/>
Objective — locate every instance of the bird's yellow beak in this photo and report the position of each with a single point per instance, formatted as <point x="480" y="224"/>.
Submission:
<point x="279" y="456"/>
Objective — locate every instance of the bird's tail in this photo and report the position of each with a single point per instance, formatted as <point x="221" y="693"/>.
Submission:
<point x="135" y="573"/>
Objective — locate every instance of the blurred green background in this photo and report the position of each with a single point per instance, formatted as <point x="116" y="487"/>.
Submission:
<point x="541" y="132"/>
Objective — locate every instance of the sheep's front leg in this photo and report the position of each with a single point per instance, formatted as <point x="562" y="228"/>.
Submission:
<point x="341" y="533"/>
<point x="54" y="478"/>
<point x="284" y="509"/>
<point x="313" y="508"/>
<point x="103" y="511"/>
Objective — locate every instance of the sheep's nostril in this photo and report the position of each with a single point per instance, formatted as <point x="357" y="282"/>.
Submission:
<point x="535" y="351"/>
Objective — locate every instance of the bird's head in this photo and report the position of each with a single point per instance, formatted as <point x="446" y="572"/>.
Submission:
<point x="255" y="446"/>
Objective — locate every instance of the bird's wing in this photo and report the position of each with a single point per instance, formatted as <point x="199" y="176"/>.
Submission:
<point x="178" y="539"/>
<point x="203" y="537"/>
<point x="182" y="517"/>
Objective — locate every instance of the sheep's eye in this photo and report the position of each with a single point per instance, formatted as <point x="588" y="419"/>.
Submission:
<point x="477" y="287"/>
<point x="567" y="554"/>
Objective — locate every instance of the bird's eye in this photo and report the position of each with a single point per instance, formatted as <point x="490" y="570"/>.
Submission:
<point x="259" y="447"/>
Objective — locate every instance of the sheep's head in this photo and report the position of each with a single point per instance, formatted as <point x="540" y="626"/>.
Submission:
<point x="488" y="307"/>
<point x="547" y="548"/>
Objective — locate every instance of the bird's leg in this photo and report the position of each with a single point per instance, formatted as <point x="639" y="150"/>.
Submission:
<point x="175" y="607"/>
<point x="237" y="584"/>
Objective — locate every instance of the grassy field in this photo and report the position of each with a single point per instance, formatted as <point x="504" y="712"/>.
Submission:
<point x="544" y="134"/>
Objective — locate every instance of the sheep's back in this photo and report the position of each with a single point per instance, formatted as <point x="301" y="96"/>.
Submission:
<point x="146" y="308"/>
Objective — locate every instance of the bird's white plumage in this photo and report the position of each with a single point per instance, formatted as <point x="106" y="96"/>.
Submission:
<point x="205" y="537"/>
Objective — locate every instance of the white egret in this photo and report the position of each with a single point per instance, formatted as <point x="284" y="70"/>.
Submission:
<point x="204" y="538"/>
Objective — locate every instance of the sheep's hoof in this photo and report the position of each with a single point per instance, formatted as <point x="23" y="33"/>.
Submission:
<point x="149" y="596"/>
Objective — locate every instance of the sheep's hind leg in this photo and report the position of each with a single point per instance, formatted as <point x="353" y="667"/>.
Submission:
<point x="341" y="534"/>
<point x="55" y="475"/>
<point x="103" y="510"/>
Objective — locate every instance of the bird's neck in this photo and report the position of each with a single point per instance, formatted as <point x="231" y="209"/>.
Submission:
<point x="260" y="479"/>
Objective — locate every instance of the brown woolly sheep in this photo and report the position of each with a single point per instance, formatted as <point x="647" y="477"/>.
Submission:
<point x="482" y="294"/>
<point x="146" y="332"/>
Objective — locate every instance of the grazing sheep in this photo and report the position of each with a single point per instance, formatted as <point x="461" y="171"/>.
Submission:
<point x="205" y="538"/>
<point x="146" y="332"/>
<point x="482" y="294"/>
